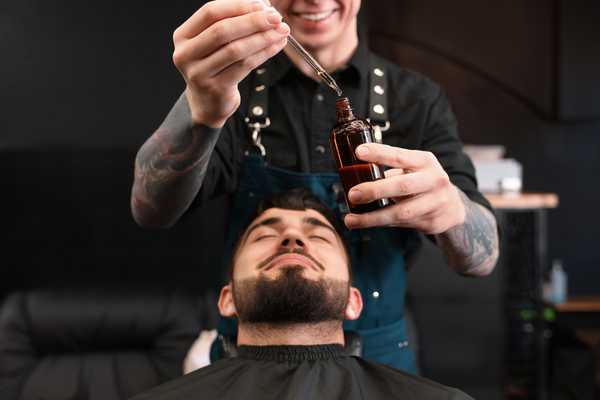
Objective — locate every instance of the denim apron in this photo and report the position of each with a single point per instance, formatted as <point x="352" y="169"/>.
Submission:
<point x="379" y="271"/>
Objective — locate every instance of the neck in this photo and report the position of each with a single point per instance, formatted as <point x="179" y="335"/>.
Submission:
<point x="330" y="332"/>
<point x="330" y="58"/>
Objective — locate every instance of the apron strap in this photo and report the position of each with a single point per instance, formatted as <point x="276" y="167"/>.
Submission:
<point x="378" y="98"/>
<point x="258" y="107"/>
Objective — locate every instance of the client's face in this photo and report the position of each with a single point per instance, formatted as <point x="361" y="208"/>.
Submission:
<point x="291" y="267"/>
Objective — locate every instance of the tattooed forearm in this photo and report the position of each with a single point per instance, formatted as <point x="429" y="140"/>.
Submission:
<point x="170" y="168"/>
<point x="472" y="248"/>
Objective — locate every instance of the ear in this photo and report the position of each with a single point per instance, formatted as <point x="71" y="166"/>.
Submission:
<point x="355" y="304"/>
<point x="226" y="305"/>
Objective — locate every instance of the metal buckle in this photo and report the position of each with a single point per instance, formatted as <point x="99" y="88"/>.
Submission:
<point x="377" y="130"/>
<point x="256" y="140"/>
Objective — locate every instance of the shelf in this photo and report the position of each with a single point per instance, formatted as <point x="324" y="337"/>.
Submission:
<point x="579" y="304"/>
<point x="524" y="200"/>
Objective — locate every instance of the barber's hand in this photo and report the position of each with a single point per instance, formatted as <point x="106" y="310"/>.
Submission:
<point x="219" y="46"/>
<point x="424" y="197"/>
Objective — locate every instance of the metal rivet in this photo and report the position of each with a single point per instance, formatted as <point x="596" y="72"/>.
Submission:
<point x="260" y="88"/>
<point x="263" y="70"/>
<point x="221" y="337"/>
<point x="378" y="72"/>
<point x="375" y="295"/>
<point x="257" y="110"/>
<point x="400" y="345"/>
<point x="320" y="149"/>
<point x="320" y="97"/>
<point x="378" y="108"/>
<point x="250" y="195"/>
<point x="405" y="344"/>
<point x="378" y="89"/>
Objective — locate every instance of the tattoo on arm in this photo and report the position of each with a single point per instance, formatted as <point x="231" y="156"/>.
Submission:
<point x="170" y="168"/>
<point x="472" y="248"/>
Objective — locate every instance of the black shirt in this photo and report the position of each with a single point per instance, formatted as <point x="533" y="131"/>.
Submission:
<point x="299" y="372"/>
<point x="302" y="113"/>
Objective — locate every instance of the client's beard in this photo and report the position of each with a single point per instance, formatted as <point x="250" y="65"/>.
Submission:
<point x="290" y="298"/>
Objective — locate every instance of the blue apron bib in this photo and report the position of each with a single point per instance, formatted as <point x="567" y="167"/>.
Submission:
<point x="380" y="274"/>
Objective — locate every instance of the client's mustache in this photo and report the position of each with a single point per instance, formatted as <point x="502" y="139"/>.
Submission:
<point x="286" y="250"/>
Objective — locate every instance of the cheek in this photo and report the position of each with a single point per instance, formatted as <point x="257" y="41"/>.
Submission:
<point x="352" y="7"/>
<point x="337" y="265"/>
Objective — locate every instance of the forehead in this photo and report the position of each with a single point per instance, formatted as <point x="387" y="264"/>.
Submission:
<point x="288" y="217"/>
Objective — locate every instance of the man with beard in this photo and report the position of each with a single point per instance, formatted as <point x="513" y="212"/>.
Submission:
<point x="289" y="286"/>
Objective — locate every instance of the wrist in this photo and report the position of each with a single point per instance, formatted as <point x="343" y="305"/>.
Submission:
<point x="214" y="120"/>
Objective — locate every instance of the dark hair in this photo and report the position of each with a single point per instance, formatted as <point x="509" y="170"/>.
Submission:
<point x="299" y="199"/>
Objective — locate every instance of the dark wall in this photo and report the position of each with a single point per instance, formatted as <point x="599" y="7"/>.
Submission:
<point x="82" y="85"/>
<point x="509" y="70"/>
<point x="87" y="73"/>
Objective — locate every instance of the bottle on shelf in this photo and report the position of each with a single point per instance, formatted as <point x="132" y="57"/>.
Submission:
<point x="558" y="280"/>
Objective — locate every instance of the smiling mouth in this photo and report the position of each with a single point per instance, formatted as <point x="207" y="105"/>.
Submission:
<point x="315" y="17"/>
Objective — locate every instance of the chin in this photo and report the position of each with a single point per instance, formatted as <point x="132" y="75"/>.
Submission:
<point x="317" y="41"/>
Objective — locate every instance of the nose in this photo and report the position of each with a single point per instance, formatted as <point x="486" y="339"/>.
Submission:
<point x="292" y="243"/>
<point x="292" y="238"/>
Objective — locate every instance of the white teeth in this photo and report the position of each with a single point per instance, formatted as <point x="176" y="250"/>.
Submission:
<point x="316" y="17"/>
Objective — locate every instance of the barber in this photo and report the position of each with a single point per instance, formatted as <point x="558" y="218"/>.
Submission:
<point x="216" y="141"/>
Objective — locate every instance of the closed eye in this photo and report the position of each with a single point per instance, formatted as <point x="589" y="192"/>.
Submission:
<point x="263" y="237"/>
<point x="320" y="238"/>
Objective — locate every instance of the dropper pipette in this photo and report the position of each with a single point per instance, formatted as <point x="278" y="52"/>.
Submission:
<point x="313" y="63"/>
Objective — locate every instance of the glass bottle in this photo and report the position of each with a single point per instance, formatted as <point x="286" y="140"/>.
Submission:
<point x="347" y="134"/>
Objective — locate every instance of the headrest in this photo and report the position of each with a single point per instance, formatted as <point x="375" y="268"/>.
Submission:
<point x="94" y="344"/>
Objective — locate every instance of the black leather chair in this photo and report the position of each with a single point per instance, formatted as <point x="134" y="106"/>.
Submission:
<point x="95" y="344"/>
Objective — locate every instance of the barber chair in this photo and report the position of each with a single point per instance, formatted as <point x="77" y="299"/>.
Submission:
<point x="94" y="344"/>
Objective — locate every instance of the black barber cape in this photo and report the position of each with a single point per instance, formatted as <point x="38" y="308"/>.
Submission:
<point x="299" y="372"/>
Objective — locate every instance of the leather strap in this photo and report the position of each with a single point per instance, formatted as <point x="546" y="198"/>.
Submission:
<point x="258" y="106"/>
<point x="378" y="104"/>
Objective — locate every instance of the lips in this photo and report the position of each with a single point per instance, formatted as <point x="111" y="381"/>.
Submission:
<point x="315" y="17"/>
<point x="291" y="259"/>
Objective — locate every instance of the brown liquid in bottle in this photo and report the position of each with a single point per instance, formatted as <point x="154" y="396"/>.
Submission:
<point x="347" y="134"/>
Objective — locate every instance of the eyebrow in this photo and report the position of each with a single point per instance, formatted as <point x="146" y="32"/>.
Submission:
<point x="275" y="220"/>
<point x="268" y="221"/>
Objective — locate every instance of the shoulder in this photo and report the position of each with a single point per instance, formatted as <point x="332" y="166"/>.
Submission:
<point x="407" y="85"/>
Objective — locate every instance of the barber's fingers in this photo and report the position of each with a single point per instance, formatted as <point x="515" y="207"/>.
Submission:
<point x="395" y="157"/>
<point x="233" y="62"/>
<point x="243" y="48"/>
<point x="238" y="70"/>
<point x="261" y="25"/>
<point x="215" y="11"/>
<point x="396" y="185"/>
<point x="419" y="212"/>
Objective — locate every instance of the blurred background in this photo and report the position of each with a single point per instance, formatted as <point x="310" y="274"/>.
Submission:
<point x="83" y="85"/>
